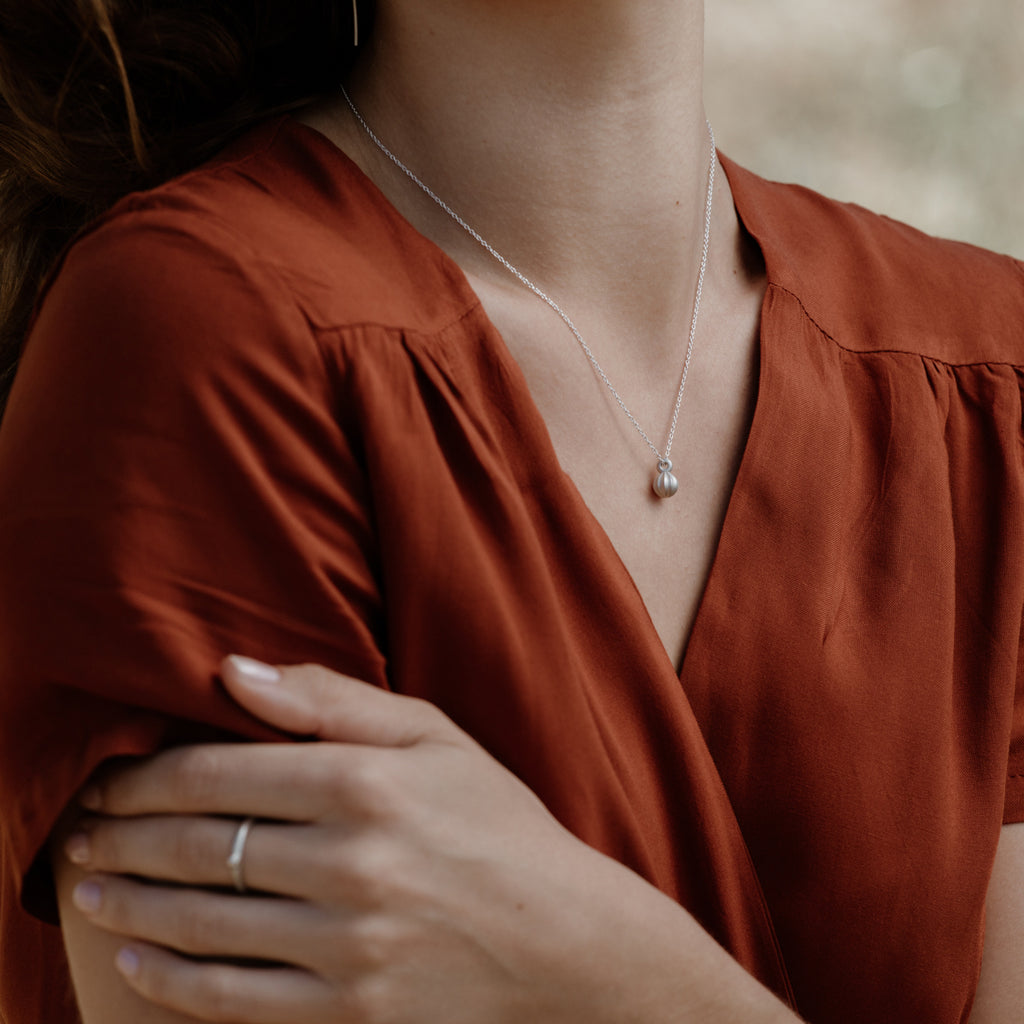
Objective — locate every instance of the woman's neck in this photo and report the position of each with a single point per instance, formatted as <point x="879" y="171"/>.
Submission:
<point x="570" y="133"/>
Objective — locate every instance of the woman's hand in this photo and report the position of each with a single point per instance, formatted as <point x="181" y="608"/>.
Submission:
<point x="395" y="872"/>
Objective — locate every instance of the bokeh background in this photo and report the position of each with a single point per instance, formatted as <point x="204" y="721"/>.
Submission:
<point x="914" y="108"/>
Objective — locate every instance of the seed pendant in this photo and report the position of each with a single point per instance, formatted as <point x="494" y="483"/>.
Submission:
<point x="665" y="484"/>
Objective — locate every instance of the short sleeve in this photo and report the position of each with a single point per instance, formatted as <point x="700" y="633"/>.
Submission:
<point x="1013" y="811"/>
<point x="176" y="484"/>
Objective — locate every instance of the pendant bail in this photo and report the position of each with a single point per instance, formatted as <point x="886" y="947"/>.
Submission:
<point x="665" y="484"/>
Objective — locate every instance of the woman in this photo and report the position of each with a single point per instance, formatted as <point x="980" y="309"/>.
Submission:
<point x="286" y="406"/>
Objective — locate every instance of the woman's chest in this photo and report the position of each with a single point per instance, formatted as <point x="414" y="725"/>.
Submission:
<point x="609" y="425"/>
<point x="836" y="716"/>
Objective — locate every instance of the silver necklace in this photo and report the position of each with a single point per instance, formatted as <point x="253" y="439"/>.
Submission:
<point x="665" y="483"/>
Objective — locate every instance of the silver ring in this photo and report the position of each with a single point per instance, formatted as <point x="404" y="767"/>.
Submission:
<point x="237" y="855"/>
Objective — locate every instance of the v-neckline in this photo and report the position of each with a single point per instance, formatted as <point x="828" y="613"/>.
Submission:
<point x="528" y="405"/>
<point x="751" y="445"/>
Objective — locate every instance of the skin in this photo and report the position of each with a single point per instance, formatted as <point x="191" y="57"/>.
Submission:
<point x="421" y="882"/>
<point x="594" y="186"/>
<point x="1000" y="993"/>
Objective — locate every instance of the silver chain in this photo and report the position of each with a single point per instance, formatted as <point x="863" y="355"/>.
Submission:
<point x="662" y="458"/>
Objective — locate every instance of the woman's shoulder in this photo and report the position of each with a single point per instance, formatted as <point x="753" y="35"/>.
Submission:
<point x="290" y="214"/>
<point x="873" y="284"/>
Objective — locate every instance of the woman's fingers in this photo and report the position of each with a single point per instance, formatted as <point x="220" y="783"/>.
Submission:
<point x="186" y="851"/>
<point x="223" y="993"/>
<point x="195" y="850"/>
<point x="188" y="951"/>
<point x="285" y="781"/>
<point x="302" y="862"/>
<point x="202" y="923"/>
<point x="310" y="700"/>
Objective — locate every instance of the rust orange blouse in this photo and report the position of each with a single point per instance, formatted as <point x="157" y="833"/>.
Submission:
<point x="259" y="413"/>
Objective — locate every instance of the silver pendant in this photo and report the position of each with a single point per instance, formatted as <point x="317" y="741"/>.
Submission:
<point x="665" y="484"/>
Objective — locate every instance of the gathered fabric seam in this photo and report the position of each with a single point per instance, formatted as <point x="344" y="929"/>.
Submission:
<point x="891" y="351"/>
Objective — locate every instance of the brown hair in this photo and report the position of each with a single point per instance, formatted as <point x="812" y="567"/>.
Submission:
<point x="99" y="98"/>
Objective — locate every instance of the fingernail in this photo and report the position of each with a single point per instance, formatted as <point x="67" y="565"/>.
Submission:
<point x="91" y="798"/>
<point x="88" y="897"/>
<point x="127" y="962"/>
<point x="257" y="673"/>
<point x="77" y="848"/>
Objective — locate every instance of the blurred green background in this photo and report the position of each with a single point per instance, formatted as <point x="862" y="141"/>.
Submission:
<point x="914" y="108"/>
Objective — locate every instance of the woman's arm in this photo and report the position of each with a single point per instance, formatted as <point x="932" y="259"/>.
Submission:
<point x="1000" y="998"/>
<point x="102" y="996"/>
<point x="413" y="879"/>
<point x="171" y="463"/>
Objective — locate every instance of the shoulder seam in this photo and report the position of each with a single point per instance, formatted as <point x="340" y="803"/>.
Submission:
<point x="143" y="204"/>
<point x="272" y="272"/>
<point x="397" y="328"/>
<point x="150" y="203"/>
<point x="897" y="351"/>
